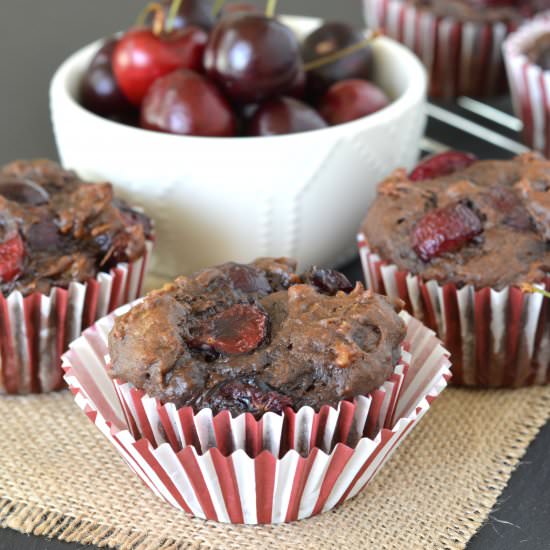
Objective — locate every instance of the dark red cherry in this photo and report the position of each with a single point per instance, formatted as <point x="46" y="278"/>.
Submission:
<point x="141" y="57"/>
<point x="99" y="90"/>
<point x="22" y="191"/>
<point x="298" y="88"/>
<point x="252" y="57"/>
<point x="12" y="253"/>
<point x="191" y="13"/>
<point x="327" y="281"/>
<point x="184" y="102"/>
<point x="240" y="328"/>
<point x="249" y="280"/>
<point x="351" y="99"/>
<point x="284" y="115"/>
<point x="441" y="164"/>
<point x="12" y="248"/>
<point x="444" y="230"/>
<point x="328" y="39"/>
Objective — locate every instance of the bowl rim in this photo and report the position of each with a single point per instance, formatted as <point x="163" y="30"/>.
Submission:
<point x="414" y="93"/>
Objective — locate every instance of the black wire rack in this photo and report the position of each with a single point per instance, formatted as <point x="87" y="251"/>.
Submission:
<point x="486" y="128"/>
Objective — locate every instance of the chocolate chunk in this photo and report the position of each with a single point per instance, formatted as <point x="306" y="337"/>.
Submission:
<point x="22" y="191"/>
<point x="328" y="281"/>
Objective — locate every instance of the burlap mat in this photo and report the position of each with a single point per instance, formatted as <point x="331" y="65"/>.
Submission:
<point x="60" y="478"/>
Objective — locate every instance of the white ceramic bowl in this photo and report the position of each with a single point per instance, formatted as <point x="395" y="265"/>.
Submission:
<point x="219" y="199"/>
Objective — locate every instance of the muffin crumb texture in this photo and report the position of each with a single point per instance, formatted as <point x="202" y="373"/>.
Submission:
<point x="487" y="225"/>
<point x="258" y="337"/>
<point x="56" y="228"/>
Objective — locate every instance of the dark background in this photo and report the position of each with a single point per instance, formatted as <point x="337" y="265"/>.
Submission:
<point x="37" y="35"/>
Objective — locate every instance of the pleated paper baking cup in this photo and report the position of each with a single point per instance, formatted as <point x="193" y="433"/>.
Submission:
<point x="529" y="84"/>
<point x="277" y="433"/>
<point x="461" y="57"/>
<point x="497" y="338"/>
<point x="35" y="330"/>
<point x="276" y="469"/>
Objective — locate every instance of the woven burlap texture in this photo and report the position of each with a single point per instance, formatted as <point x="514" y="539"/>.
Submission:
<point x="59" y="477"/>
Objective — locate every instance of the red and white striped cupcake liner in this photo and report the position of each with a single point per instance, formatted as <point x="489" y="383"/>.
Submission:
<point x="497" y="338"/>
<point x="35" y="330"/>
<point x="461" y="57"/>
<point x="242" y="470"/>
<point x="529" y="84"/>
<point x="347" y="423"/>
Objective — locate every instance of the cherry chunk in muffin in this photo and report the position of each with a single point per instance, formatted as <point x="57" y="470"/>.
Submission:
<point x="56" y="228"/>
<point x="257" y="337"/>
<point x="485" y="224"/>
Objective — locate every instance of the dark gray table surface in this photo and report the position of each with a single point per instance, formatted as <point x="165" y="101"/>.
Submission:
<point x="36" y="36"/>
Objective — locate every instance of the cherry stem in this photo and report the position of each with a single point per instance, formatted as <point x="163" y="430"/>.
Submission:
<point x="172" y="14"/>
<point x="331" y="58"/>
<point x="531" y="289"/>
<point x="271" y="7"/>
<point x="217" y="7"/>
<point x="158" y="20"/>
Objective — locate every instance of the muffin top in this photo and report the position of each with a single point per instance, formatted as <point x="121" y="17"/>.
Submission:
<point x="482" y="10"/>
<point x="256" y="338"/>
<point x="55" y="228"/>
<point x="485" y="225"/>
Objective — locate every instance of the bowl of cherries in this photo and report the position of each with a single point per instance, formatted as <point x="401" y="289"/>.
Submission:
<point x="242" y="133"/>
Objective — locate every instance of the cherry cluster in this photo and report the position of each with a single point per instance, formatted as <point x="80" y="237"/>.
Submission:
<point x="241" y="72"/>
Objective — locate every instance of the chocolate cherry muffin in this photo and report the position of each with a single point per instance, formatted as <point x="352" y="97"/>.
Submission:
<point x="456" y="245"/>
<point x="485" y="225"/>
<point x="56" y="230"/>
<point x="459" y="41"/>
<point x="257" y="338"/>
<point x="527" y="57"/>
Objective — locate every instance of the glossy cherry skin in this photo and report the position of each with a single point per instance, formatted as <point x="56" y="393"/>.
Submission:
<point x="284" y="115"/>
<point x="351" y="99"/>
<point x="298" y="88"/>
<point x="191" y="13"/>
<point x="141" y="57"/>
<point x="99" y="91"/>
<point x="184" y="102"/>
<point x="252" y="57"/>
<point x="326" y="40"/>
